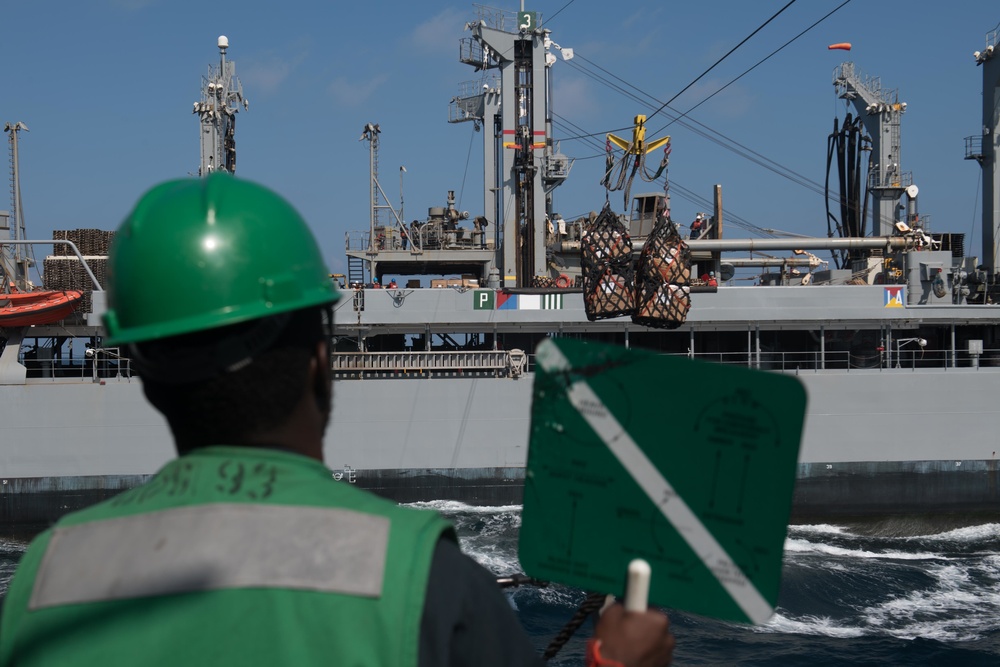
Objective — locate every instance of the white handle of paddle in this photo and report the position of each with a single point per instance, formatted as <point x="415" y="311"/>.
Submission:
<point x="637" y="586"/>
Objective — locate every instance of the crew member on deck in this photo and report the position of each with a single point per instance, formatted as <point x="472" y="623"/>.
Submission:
<point x="698" y="226"/>
<point x="244" y="550"/>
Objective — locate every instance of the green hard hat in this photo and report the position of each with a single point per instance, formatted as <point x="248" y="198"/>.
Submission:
<point x="197" y="254"/>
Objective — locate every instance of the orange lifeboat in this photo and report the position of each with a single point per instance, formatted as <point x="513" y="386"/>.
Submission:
<point x="23" y="309"/>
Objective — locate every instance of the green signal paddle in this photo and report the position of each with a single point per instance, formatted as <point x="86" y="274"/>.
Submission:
<point x="687" y="465"/>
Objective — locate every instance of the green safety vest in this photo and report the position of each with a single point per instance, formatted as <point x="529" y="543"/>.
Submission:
<point x="228" y="556"/>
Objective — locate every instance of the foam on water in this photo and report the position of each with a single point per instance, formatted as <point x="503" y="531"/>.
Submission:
<point x="11" y="551"/>
<point x="486" y="533"/>
<point x="808" y="625"/>
<point x="817" y="529"/>
<point x="942" y="586"/>
<point x="806" y="547"/>
<point x="975" y="534"/>
<point x="962" y="604"/>
<point x="452" y="507"/>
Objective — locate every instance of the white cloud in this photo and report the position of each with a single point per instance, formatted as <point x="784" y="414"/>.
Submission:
<point x="437" y="34"/>
<point x="350" y="94"/>
<point x="266" y="73"/>
<point x="265" y="77"/>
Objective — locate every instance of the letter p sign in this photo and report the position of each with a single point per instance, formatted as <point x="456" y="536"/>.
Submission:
<point x="483" y="299"/>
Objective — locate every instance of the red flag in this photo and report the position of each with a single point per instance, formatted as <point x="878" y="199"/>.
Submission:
<point x="843" y="46"/>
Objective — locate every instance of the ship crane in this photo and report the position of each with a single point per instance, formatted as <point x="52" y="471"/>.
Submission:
<point x="880" y="111"/>
<point x="14" y="263"/>
<point x="522" y="164"/>
<point x="221" y="99"/>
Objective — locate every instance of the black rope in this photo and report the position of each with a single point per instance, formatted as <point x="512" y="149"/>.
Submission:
<point x="591" y="603"/>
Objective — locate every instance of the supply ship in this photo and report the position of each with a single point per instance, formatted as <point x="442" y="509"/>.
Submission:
<point x="895" y="339"/>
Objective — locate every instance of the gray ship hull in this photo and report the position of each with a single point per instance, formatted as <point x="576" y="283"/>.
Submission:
<point x="872" y="446"/>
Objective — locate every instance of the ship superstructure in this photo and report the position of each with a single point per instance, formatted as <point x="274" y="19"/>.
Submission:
<point x="899" y="350"/>
<point x="509" y="244"/>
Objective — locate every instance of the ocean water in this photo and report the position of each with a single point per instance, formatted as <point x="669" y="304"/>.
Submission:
<point x="846" y="598"/>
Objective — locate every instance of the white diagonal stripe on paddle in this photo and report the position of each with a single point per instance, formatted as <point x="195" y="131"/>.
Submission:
<point x="659" y="490"/>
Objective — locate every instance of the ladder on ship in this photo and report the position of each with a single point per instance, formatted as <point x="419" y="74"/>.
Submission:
<point x="355" y="270"/>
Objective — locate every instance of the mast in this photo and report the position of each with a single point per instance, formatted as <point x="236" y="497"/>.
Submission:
<point x="984" y="149"/>
<point x="370" y="133"/>
<point x="221" y="98"/>
<point x="517" y="142"/>
<point x="14" y="262"/>
<point x="880" y="110"/>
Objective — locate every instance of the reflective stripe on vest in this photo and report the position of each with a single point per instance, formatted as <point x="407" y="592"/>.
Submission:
<point x="212" y="547"/>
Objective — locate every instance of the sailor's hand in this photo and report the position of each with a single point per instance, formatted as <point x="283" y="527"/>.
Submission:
<point x="633" y="639"/>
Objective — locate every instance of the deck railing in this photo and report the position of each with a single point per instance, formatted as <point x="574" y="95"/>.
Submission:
<point x="515" y="363"/>
<point x="420" y="364"/>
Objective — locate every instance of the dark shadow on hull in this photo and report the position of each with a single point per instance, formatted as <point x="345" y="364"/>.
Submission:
<point x="902" y="498"/>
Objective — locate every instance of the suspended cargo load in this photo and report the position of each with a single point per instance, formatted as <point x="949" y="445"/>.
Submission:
<point x="606" y="265"/>
<point x="661" y="283"/>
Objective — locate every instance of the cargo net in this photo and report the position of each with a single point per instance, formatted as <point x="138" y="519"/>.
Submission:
<point x="663" y="297"/>
<point x="606" y="263"/>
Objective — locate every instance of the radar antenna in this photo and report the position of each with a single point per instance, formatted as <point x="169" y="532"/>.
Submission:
<point x="221" y="98"/>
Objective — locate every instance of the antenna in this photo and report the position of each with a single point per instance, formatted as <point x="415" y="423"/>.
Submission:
<point x="221" y="98"/>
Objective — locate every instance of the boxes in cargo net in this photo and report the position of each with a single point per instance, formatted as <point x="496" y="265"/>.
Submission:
<point x="655" y="294"/>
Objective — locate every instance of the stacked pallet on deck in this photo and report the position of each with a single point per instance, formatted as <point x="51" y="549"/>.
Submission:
<point x="62" y="269"/>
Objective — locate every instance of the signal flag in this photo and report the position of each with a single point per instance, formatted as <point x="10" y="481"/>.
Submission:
<point x="843" y="46"/>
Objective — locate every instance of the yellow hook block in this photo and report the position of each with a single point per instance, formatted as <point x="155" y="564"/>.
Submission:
<point x="638" y="145"/>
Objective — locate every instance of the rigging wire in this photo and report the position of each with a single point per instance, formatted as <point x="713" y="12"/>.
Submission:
<point x="729" y="53"/>
<point x="713" y="66"/>
<point x="720" y="139"/>
<point x="465" y="174"/>
<point x="694" y="198"/>
<point x="559" y="11"/>
<point x="746" y="152"/>
<point x="975" y="202"/>
<point x="759" y="62"/>
<point x="743" y="151"/>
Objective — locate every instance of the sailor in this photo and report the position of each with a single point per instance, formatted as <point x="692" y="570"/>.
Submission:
<point x="244" y="550"/>
<point x="404" y="237"/>
<point x="697" y="226"/>
<point x="479" y="224"/>
<point x="560" y="225"/>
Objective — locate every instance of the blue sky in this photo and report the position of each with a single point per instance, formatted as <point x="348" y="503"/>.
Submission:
<point x="106" y="88"/>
